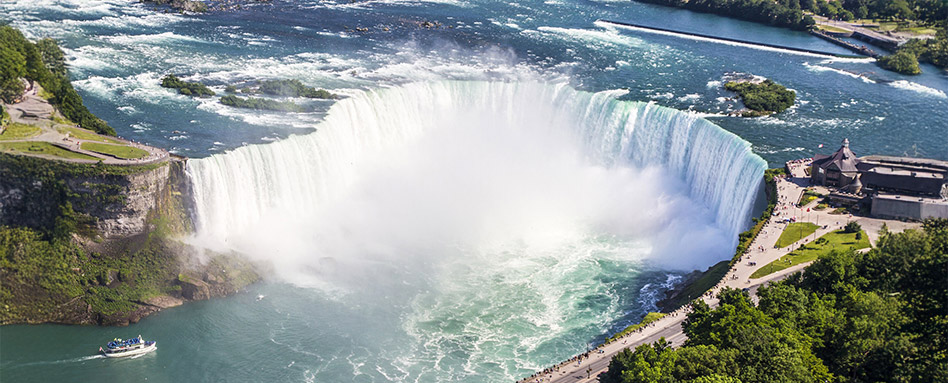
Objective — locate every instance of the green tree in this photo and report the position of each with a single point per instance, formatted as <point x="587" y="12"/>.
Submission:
<point x="899" y="9"/>
<point x="902" y="62"/>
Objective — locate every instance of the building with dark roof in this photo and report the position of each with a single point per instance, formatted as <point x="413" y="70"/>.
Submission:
<point x="894" y="187"/>
<point x="838" y="169"/>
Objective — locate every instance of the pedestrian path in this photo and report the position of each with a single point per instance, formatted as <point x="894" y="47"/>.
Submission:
<point x="762" y="251"/>
<point x="35" y="111"/>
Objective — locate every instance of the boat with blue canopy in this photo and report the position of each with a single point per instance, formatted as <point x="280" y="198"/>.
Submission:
<point x="119" y="348"/>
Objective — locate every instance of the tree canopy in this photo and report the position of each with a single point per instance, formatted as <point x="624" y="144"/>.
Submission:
<point x="850" y="317"/>
<point x="43" y="63"/>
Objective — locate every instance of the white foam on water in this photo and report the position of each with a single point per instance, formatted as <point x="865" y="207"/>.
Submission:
<point x="916" y="87"/>
<point x="606" y="36"/>
<point x="820" y="68"/>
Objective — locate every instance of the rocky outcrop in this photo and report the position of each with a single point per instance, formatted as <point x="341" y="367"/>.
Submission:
<point x="106" y="240"/>
<point x="116" y="203"/>
<point x="182" y="5"/>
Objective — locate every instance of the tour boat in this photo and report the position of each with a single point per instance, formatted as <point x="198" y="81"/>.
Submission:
<point x="118" y="348"/>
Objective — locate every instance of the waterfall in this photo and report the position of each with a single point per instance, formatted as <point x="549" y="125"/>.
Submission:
<point x="295" y="176"/>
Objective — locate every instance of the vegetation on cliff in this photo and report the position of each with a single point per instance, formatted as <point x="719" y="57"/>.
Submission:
<point x="56" y="267"/>
<point x="194" y="89"/>
<point x="697" y="283"/>
<point x="781" y="13"/>
<point x="260" y="103"/>
<point x="790" y="13"/>
<point x="763" y="98"/>
<point x="880" y="316"/>
<point x="43" y="63"/>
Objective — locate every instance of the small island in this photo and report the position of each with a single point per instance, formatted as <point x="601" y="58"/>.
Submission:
<point x="762" y="98"/>
<point x="182" y="5"/>
<point x="285" y="88"/>
<point x="260" y="104"/>
<point x="193" y="89"/>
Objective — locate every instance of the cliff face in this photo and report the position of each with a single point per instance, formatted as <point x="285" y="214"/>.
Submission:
<point x="118" y="203"/>
<point x="95" y="244"/>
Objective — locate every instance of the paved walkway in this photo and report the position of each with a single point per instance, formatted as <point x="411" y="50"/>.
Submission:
<point x="36" y="111"/>
<point x="858" y="28"/>
<point x="587" y="367"/>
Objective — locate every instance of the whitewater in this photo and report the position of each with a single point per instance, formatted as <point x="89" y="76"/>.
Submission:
<point x="302" y="174"/>
<point x="488" y="198"/>
<point x="493" y="209"/>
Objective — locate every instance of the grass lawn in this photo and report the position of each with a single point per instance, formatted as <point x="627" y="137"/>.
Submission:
<point x="829" y="28"/>
<point x="83" y="134"/>
<point x="42" y="148"/>
<point x="794" y="232"/>
<point x="837" y="240"/>
<point x="17" y="131"/>
<point x="124" y="152"/>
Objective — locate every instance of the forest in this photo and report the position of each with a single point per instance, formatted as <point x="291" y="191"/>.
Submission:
<point x="45" y="64"/>
<point x="878" y="316"/>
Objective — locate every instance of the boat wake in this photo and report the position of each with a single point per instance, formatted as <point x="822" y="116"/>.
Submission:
<point x="63" y="361"/>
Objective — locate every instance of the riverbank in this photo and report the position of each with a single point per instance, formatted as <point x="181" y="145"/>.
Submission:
<point x="813" y="52"/>
<point x="752" y="255"/>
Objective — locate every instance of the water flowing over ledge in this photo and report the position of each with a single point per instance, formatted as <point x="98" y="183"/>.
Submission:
<point x="234" y="190"/>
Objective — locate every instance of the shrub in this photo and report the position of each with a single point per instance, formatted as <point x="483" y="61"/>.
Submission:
<point x="852" y="227"/>
<point x="260" y="103"/>
<point x="293" y="88"/>
<point x="902" y="62"/>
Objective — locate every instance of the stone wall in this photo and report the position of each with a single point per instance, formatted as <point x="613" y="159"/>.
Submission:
<point x="906" y="207"/>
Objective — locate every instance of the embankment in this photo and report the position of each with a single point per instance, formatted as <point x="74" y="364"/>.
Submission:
<point x="697" y="283"/>
<point x="811" y="52"/>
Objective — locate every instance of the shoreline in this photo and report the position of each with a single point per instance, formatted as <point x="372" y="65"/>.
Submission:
<point x="811" y="52"/>
<point x="788" y="188"/>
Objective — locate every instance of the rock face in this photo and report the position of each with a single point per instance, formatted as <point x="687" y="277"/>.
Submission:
<point x="119" y="204"/>
<point x="120" y="258"/>
<point x="129" y="199"/>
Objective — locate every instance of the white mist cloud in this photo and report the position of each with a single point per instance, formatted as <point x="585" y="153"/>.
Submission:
<point x="483" y="182"/>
